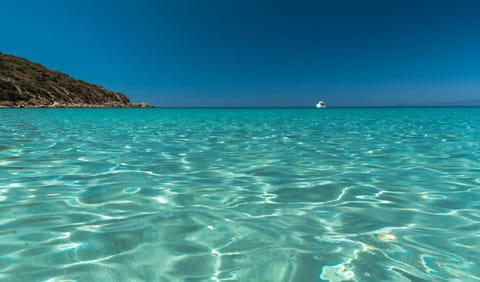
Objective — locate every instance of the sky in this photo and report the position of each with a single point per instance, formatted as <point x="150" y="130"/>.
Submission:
<point x="254" y="53"/>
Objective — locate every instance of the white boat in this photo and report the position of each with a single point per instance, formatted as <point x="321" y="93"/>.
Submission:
<point x="321" y="105"/>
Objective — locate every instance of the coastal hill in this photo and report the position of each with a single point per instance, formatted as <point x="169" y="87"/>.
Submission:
<point x="27" y="84"/>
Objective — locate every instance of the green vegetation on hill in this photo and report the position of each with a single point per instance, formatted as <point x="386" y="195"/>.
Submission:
<point x="27" y="84"/>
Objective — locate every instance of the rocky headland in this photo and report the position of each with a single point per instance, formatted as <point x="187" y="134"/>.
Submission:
<point x="24" y="84"/>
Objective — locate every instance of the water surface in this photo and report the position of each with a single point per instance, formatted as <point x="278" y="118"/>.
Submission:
<point x="240" y="194"/>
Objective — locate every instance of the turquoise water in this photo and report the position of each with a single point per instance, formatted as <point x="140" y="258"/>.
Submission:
<point x="240" y="195"/>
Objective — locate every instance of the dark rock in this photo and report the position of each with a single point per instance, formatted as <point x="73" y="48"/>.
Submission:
<point x="141" y="105"/>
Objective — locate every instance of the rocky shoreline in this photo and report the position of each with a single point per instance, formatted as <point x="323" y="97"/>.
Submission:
<point x="77" y="105"/>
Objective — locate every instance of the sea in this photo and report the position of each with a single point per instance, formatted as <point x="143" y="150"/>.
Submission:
<point x="337" y="194"/>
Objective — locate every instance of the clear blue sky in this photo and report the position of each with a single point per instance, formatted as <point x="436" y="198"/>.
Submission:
<point x="257" y="53"/>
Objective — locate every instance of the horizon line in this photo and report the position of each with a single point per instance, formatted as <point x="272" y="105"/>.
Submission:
<point x="310" y="107"/>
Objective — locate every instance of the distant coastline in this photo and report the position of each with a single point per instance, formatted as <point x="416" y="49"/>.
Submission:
<point x="24" y="84"/>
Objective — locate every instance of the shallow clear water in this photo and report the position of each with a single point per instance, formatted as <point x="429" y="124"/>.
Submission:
<point x="240" y="195"/>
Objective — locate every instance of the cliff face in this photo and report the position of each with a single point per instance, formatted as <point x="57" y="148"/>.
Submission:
<point x="27" y="84"/>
